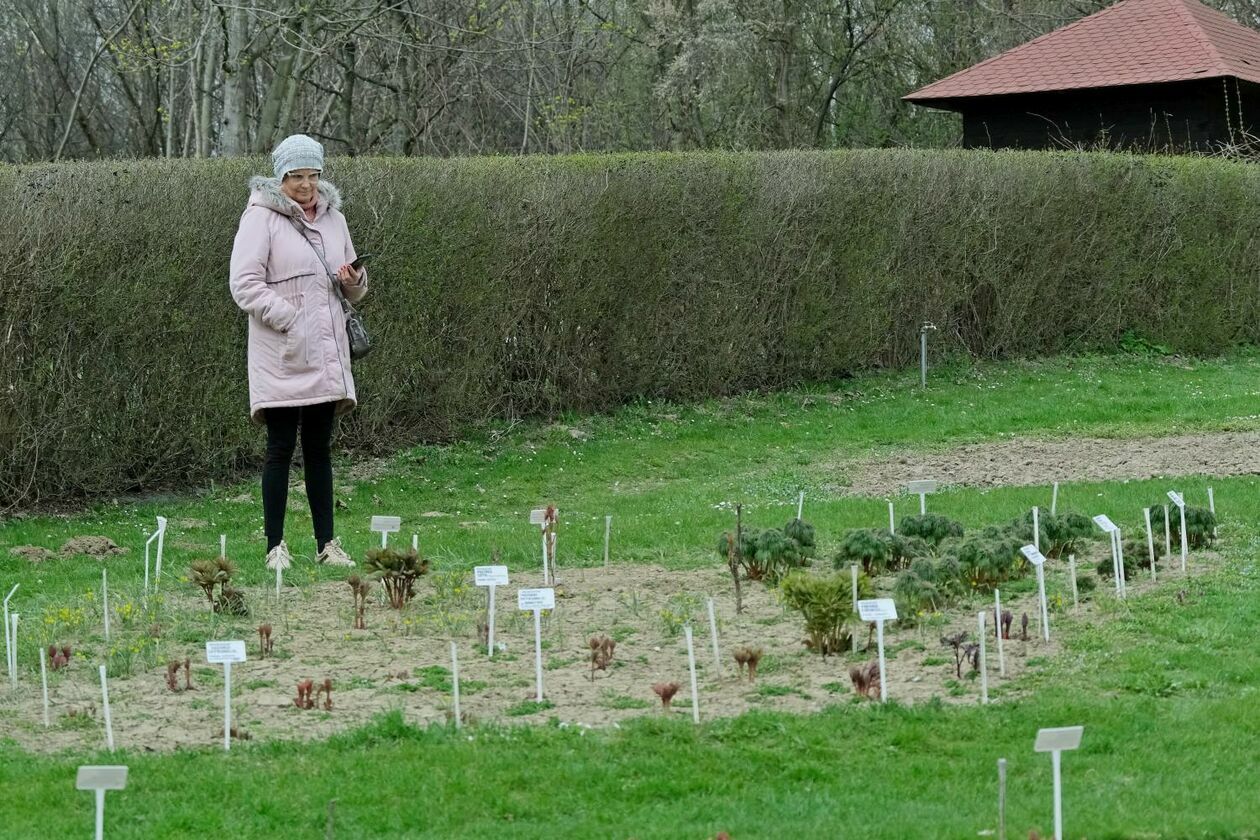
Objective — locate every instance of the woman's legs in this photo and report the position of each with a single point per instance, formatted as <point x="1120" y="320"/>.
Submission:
<point x="282" y="425"/>
<point x="317" y="427"/>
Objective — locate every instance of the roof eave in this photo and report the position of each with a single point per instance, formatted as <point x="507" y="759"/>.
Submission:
<point x="940" y="103"/>
<point x="955" y="101"/>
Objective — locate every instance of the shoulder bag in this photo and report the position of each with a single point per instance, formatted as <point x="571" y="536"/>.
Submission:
<point x="356" y="332"/>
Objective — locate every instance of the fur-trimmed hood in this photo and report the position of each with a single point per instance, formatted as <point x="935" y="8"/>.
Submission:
<point x="265" y="192"/>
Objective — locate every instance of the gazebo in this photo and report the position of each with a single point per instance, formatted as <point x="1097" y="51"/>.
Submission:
<point x="1155" y="75"/>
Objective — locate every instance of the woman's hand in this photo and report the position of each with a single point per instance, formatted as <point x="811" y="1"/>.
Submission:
<point x="348" y="275"/>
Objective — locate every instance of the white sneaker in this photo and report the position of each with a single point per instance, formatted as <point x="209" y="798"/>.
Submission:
<point x="333" y="554"/>
<point x="279" y="557"/>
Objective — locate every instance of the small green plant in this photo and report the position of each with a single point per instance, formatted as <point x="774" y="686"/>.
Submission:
<point x="904" y="550"/>
<point x="917" y="591"/>
<point x="986" y="560"/>
<point x="1200" y="525"/>
<point x="397" y="571"/>
<point x="207" y="574"/>
<point x="1137" y="556"/>
<point x="679" y="611"/>
<point x="932" y="528"/>
<point x="770" y="554"/>
<point x="1020" y="530"/>
<point x="613" y="700"/>
<point x="631" y="603"/>
<point x="1065" y="533"/>
<point x="1106" y="566"/>
<point x="434" y="677"/>
<point x="803" y="534"/>
<point x="621" y="632"/>
<point x="826" y="603"/>
<point x="870" y="548"/>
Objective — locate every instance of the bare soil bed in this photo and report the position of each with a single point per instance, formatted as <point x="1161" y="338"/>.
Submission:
<point x="1030" y="461"/>
<point x="401" y="660"/>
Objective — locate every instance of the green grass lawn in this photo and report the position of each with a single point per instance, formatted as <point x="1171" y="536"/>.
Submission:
<point x="1167" y="690"/>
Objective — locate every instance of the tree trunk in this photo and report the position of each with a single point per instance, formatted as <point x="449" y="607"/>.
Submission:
<point x="234" y="133"/>
<point x="207" y="50"/>
<point x="349" y="53"/>
<point x="269" y="116"/>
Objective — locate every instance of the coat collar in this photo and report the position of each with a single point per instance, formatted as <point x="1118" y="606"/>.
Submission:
<point x="265" y="192"/>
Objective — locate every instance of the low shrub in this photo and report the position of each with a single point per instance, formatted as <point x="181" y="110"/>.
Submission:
<point x="987" y="561"/>
<point x="1065" y="532"/>
<point x="869" y="548"/>
<point x="1200" y="525"/>
<point x="928" y="585"/>
<point x="826" y="603"/>
<point x="932" y="528"/>
<point x="770" y="554"/>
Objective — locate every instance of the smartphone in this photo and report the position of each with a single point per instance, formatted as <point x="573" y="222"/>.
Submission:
<point x="360" y="261"/>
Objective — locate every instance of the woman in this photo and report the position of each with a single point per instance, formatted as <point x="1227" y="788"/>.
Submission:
<point x="291" y="236"/>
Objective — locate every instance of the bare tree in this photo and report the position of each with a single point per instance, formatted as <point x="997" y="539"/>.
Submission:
<point x="91" y="78"/>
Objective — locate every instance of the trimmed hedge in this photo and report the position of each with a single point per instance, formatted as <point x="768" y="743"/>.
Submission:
<point x="529" y="286"/>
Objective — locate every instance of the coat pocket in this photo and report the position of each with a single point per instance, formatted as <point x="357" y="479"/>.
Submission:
<point x="295" y="344"/>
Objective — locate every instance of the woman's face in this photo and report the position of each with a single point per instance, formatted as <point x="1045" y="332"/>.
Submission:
<point x="301" y="185"/>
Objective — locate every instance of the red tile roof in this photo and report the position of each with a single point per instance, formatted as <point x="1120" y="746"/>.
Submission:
<point x="1133" y="42"/>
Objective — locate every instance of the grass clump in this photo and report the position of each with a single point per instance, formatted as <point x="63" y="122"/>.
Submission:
<point x="529" y="707"/>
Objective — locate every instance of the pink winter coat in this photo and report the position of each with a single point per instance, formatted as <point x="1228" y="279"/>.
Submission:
<point x="298" y="350"/>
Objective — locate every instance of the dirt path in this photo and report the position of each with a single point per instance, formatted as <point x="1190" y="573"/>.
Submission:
<point x="1025" y="461"/>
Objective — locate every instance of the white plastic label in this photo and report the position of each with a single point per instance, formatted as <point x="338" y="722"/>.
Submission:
<point x="920" y="488"/>
<point x="1104" y="522"/>
<point x="101" y="777"/>
<point x="878" y="609"/>
<point x="490" y="575"/>
<point x="386" y="524"/>
<point x="1062" y="738"/>
<point x="1176" y="498"/>
<point x="1033" y="554"/>
<point x="538" y="517"/>
<point x="536" y="599"/>
<point x="219" y="652"/>
<point x="161" y="522"/>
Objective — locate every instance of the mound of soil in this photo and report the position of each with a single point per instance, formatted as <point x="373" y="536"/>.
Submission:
<point x="98" y="547"/>
<point x="33" y="553"/>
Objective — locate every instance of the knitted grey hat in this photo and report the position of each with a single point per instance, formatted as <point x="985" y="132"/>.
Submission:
<point x="297" y="151"/>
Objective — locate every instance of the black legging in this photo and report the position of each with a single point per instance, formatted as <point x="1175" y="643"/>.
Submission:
<point x="282" y="427"/>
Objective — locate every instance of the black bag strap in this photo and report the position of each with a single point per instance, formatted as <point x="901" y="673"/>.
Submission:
<point x="332" y="278"/>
